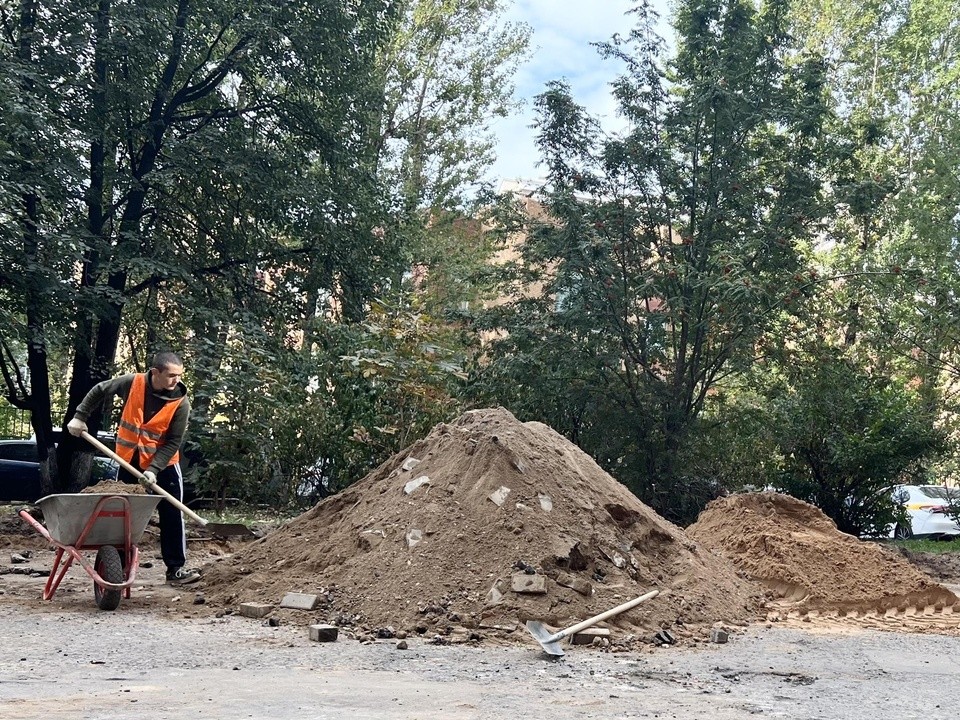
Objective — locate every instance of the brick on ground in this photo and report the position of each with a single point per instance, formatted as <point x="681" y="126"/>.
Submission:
<point x="324" y="633"/>
<point x="255" y="609"/>
<point x="299" y="601"/>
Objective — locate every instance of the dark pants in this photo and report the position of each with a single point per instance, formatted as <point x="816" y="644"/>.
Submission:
<point x="173" y="540"/>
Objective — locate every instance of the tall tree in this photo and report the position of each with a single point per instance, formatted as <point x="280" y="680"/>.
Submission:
<point x="447" y="74"/>
<point x="191" y="121"/>
<point x="669" y="249"/>
<point x="894" y="72"/>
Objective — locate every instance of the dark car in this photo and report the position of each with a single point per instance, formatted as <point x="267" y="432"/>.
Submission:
<point x="20" y="470"/>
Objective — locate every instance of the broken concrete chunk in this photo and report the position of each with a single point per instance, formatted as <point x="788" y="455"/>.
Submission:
<point x="499" y="495"/>
<point x="16" y="558"/>
<point x="415" y="483"/>
<point x="546" y="502"/>
<point x="414" y="536"/>
<point x="664" y="637"/>
<point x="255" y="609"/>
<point x="299" y="601"/>
<point x="324" y="633"/>
<point x="576" y="584"/>
<point x="409" y="464"/>
<point x="613" y="556"/>
<point x="494" y="596"/>
<point x="528" y="584"/>
<point x="719" y="635"/>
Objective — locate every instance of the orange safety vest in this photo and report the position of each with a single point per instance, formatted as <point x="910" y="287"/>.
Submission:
<point x="133" y="434"/>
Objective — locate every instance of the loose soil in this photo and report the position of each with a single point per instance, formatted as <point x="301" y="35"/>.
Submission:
<point x="488" y="522"/>
<point x="114" y="487"/>
<point x="808" y="566"/>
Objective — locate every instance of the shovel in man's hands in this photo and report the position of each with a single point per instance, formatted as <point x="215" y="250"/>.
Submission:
<point x="222" y="529"/>
<point x="551" y="641"/>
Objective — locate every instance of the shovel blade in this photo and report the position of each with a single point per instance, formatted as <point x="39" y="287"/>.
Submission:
<point x="548" y="641"/>
<point x="229" y="529"/>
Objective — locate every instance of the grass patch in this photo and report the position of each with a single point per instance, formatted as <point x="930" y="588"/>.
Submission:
<point x="928" y="545"/>
<point x="249" y="515"/>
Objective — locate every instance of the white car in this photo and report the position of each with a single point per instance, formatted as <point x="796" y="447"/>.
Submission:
<point x="928" y="511"/>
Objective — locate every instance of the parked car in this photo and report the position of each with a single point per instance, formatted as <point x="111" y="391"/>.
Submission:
<point x="927" y="508"/>
<point x="20" y="469"/>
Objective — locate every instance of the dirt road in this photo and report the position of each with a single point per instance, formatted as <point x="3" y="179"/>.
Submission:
<point x="66" y="659"/>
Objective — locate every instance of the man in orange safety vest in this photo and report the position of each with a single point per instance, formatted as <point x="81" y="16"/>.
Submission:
<point x="152" y="425"/>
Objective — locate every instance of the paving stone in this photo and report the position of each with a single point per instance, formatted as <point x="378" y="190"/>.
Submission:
<point x="324" y="633"/>
<point x="255" y="609"/>
<point x="299" y="601"/>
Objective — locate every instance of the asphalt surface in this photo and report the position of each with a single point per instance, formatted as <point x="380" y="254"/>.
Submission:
<point x="66" y="659"/>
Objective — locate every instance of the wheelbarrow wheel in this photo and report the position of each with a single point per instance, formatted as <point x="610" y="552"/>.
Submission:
<point x="109" y="567"/>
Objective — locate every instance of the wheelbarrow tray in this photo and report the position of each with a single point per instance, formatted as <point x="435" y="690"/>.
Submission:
<point x="65" y="516"/>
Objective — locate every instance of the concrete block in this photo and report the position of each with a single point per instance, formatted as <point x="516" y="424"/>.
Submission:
<point x="719" y="635"/>
<point x="255" y="609"/>
<point x="586" y="636"/>
<point x="299" y="601"/>
<point x="324" y="633"/>
<point x="529" y="584"/>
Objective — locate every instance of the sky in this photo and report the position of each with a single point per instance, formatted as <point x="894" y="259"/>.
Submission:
<point x="560" y="43"/>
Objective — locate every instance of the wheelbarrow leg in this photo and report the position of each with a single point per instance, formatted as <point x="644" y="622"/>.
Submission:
<point x="55" y="577"/>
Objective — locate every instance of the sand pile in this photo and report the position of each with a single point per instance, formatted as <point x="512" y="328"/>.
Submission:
<point x="797" y="552"/>
<point x="485" y="523"/>
<point x="115" y="487"/>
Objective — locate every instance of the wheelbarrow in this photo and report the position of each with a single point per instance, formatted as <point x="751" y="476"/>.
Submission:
<point x="110" y="524"/>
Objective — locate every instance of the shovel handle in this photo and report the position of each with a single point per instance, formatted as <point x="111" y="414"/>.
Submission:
<point x="602" y="616"/>
<point x="142" y="478"/>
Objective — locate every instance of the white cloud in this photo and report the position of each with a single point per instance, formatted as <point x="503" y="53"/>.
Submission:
<point x="563" y="31"/>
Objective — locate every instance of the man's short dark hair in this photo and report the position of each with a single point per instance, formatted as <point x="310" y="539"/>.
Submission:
<point x="163" y="360"/>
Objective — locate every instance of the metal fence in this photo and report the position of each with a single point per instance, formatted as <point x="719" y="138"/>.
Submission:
<point x="14" y="422"/>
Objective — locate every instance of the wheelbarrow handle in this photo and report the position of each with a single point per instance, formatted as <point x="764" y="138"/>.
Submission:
<point x="152" y="486"/>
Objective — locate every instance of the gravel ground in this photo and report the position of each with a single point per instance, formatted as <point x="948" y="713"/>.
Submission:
<point x="156" y="658"/>
<point x="66" y="659"/>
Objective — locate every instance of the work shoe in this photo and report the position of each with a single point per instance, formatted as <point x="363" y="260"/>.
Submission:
<point x="182" y="576"/>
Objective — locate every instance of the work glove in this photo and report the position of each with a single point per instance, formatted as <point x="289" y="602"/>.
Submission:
<point x="150" y="476"/>
<point x="75" y="427"/>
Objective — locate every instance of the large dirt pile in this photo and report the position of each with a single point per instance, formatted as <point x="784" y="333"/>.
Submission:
<point x="796" y="551"/>
<point x="485" y="523"/>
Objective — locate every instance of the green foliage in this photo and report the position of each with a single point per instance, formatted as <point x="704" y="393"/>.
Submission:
<point x="665" y="253"/>
<point x="291" y="426"/>
<point x="847" y="436"/>
<point x="447" y="73"/>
